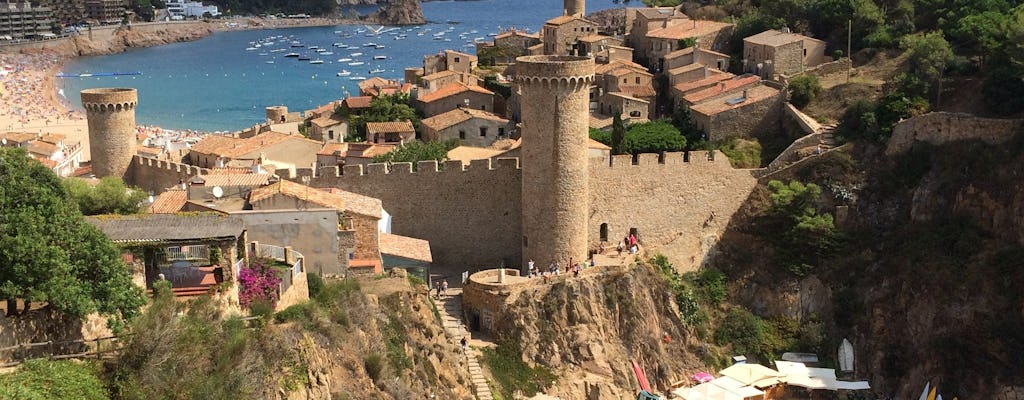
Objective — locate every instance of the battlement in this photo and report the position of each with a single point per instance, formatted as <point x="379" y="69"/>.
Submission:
<point x="109" y="107"/>
<point x="109" y="99"/>
<point x="190" y="170"/>
<point x="555" y="71"/>
<point x="405" y="168"/>
<point x="697" y="158"/>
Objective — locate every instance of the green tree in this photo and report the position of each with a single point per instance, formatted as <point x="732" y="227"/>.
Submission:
<point x="803" y="89"/>
<point x="42" y="379"/>
<point x="682" y="119"/>
<point x="806" y="236"/>
<point x="416" y="151"/>
<point x="109" y="196"/>
<point x="928" y="56"/>
<point x="385" y="108"/>
<point x="49" y="253"/>
<point x="653" y="137"/>
<point x="859" y="122"/>
<point x="618" y="135"/>
<point x="144" y="9"/>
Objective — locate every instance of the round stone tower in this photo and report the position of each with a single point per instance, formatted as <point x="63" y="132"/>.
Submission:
<point x="111" y="115"/>
<point x="555" y="197"/>
<point x="277" y="114"/>
<point x="574" y="7"/>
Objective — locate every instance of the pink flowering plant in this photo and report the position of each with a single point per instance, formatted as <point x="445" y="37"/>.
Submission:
<point x="258" y="283"/>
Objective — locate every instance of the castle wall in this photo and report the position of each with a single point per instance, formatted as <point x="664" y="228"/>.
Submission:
<point x="942" y="127"/>
<point x="670" y="203"/>
<point x="312" y="232"/>
<point x="470" y="214"/>
<point x="158" y="175"/>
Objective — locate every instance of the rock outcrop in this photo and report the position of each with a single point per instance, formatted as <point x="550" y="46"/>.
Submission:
<point x="400" y="12"/>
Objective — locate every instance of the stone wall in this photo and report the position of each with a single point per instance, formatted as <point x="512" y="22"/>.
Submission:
<point x="942" y="127"/>
<point x="833" y="67"/>
<point x="297" y="292"/>
<point x="45" y="324"/>
<point x="312" y="232"/>
<point x="158" y="175"/>
<point x="747" y="120"/>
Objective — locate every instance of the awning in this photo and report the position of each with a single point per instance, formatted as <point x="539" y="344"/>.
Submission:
<point x="753" y="374"/>
<point x="798" y="374"/>
<point x="723" y="388"/>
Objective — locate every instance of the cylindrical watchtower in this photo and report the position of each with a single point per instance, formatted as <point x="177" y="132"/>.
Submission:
<point x="111" y="115"/>
<point x="277" y="114"/>
<point x="555" y="110"/>
<point x="574" y="7"/>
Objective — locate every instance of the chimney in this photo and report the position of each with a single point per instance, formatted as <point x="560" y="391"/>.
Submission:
<point x="744" y="94"/>
<point x="706" y="74"/>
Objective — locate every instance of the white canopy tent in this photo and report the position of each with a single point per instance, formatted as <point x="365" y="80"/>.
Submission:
<point x="798" y="374"/>
<point x="723" y="388"/>
<point x="756" y="375"/>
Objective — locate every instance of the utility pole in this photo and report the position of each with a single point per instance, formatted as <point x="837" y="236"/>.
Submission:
<point x="849" y="41"/>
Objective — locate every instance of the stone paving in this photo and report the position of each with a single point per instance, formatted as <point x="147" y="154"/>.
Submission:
<point x="455" y="329"/>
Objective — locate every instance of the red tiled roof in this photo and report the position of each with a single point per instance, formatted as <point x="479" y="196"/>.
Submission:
<point x="357" y="102"/>
<point x="336" y="199"/>
<point x="439" y="74"/>
<point x="42" y="148"/>
<point x="638" y="91"/>
<point x="368" y="150"/>
<point x="389" y="127"/>
<point x="359" y="204"/>
<point x="230" y="147"/>
<point x="754" y="94"/>
<point x="333" y="149"/>
<point x="459" y="115"/>
<point x="721" y="87"/>
<point x="228" y="179"/>
<point x="405" y="247"/>
<point x="714" y="77"/>
<point x="775" y="38"/>
<point x="378" y="82"/>
<point x="168" y="202"/>
<point x="605" y="68"/>
<point x="453" y="89"/>
<point x="688" y="30"/>
<point x="17" y="137"/>
<point x="566" y="19"/>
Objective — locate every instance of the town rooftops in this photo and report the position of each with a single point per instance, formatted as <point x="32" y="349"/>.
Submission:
<point x="627" y="97"/>
<point x="368" y="150"/>
<point x="566" y="19"/>
<point x="688" y="30"/>
<point x="17" y="137"/>
<point x="595" y="38"/>
<point x="721" y="87"/>
<point x="776" y="38"/>
<point x="659" y="12"/>
<point x="714" y="76"/>
<point x="42" y="148"/>
<point x="168" y="202"/>
<point x="324" y="122"/>
<point x="689" y="50"/>
<point x="515" y="32"/>
<point x="439" y="75"/>
<point x="452" y="89"/>
<point x="602" y="69"/>
<point x="753" y="95"/>
<point x="337" y="199"/>
<point x="684" y="69"/>
<point x="243" y="179"/>
<point x="231" y="147"/>
<point x="638" y="91"/>
<point x="389" y="127"/>
<point x="458" y="116"/>
<point x="357" y="102"/>
<point x="378" y="82"/>
<point x="405" y="247"/>
<point x="167" y="227"/>
<point x="326" y="109"/>
<point x="333" y="149"/>
<point x="52" y="138"/>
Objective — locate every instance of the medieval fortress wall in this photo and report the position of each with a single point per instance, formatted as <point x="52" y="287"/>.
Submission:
<point x="943" y="127"/>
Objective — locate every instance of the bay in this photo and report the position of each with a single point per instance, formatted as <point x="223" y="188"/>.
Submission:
<point x="215" y="84"/>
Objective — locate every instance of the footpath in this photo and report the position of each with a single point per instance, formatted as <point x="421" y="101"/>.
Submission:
<point x="451" y="319"/>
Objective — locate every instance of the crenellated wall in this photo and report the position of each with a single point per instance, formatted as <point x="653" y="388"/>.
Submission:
<point x="943" y="127"/>
<point x="157" y="175"/>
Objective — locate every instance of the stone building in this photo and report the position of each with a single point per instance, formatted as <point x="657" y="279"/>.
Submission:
<point x="562" y="34"/>
<point x="452" y="96"/>
<point x="592" y="45"/>
<point x="647" y="19"/>
<point x="23" y="20"/>
<point x="511" y="44"/>
<point x="392" y="132"/>
<point x="753" y="110"/>
<point x="106" y="12"/>
<point x="377" y="86"/>
<point x="449" y="60"/>
<point x="696" y="55"/>
<point x="781" y="52"/>
<point x="272" y="148"/>
<point x="708" y="34"/>
<point x="434" y="82"/>
<point x="711" y="78"/>
<point x="631" y="108"/>
<point x="111" y="119"/>
<point x="472" y="127"/>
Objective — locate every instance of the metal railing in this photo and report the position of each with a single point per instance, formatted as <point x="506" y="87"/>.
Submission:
<point x="270" y="251"/>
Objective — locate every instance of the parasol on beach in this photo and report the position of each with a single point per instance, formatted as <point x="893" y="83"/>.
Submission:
<point x="702" y="377"/>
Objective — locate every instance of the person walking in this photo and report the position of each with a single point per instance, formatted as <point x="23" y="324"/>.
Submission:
<point x="444" y="287"/>
<point x="530" y="264"/>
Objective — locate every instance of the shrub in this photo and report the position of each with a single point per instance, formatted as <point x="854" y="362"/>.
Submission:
<point x="713" y="284"/>
<point x="44" y="379"/>
<point x="803" y="89"/>
<point x="302" y="312"/>
<point x="315" y="283"/>
<point x="374" y="365"/>
<point x="743" y="153"/>
<point x="258" y="283"/>
<point x="748" y="334"/>
<point x="512" y="373"/>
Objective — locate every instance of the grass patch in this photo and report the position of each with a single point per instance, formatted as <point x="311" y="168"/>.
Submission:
<point x="395" y="338"/>
<point x="44" y="379"/>
<point x="742" y="153"/>
<point x="513" y="374"/>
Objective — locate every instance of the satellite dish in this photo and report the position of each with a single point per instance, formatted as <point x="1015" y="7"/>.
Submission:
<point x="3" y="141"/>
<point x="218" y="192"/>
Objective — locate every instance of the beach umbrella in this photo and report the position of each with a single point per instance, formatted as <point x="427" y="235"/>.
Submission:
<point x="702" y="377"/>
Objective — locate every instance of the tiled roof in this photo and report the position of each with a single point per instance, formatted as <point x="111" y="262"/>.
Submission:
<point x="754" y="94"/>
<point x="688" y="50"/>
<point x="605" y="68"/>
<point x="168" y="202"/>
<point x="231" y="147"/>
<point x="42" y="148"/>
<point x="458" y="116"/>
<point x="514" y="32"/>
<point x="389" y="127"/>
<point x="461" y="54"/>
<point x="566" y="19"/>
<point x="333" y="149"/>
<point x="229" y="171"/>
<point x="688" y="30"/>
<point x="452" y="89"/>
<point x="594" y="38"/>
<point x="714" y="76"/>
<point x="357" y="102"/>
<point x="439" y="75"/>
<point x="721" y="87"/>
<point x="626" y="70"/>
<point x="659" y="12"/>
<point x="405" y="247"/>
<point x="149" y="151"/>
<point x="52" y="138"/>
<point x="324" y="122"/>
<point x="595" y="145"/>
<point x="600" y="121"/>
<point x="324" y="109"/>
<point x="378" y="82"/>
<point x="161" y="227"/>
<point x="331" y="198"/>
<point x="17" y="137"/>
<point x="775" y="38"/>
<point x="227" y="179"/>
<point x="627" y="96"/>
<point x="469" y="153"/>
<point x="368" y="150"/>
<point x="684" y="69"/>
<point x="638" y="91"/>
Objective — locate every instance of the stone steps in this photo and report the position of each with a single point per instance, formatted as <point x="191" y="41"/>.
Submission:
<point x="450" y="308"/>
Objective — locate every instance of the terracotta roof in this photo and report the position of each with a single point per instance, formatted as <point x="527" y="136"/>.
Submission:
<point x="333" y="149"/>
<point x="168" y="202"/>
<point x="357" y="102"/>
<point x="389" y="127"/>
<point x="514" y="32"/>
<point x="721" y="87"/>
<point x="605" y="68"/>
<point x="660" y="12"/>
<point x="566" y="19"/>
<point x="625" y="70"/>
<point x="595" y="145"/>
<point x="405" y="247"/>
<point x="594" y="38"/>
<point x="149" y="151"/>
<point x="600" y="121"/>
<point x="378" y="82"/>
<point x="368" y="150"/>
<point x="638" y="91"/>
<point x="439" y="75"/>
<point x="714" y="76"/>
<point x="42" y="148"/>
<point x="229" y="171"/>
<point x="754" y="94"/>
<point x="458" y="116"/>
<point x="627" y="96"/>
<point x="45" y="161"/>
<point x="160" y="227"/>
<point x="688" y="30"/>
<point x="469" y="153"/>
<point x="775" y="38"/>
<point x="461" y="54"/>
<point x="324" y="122"/>
<point x="231" y="147"/>
<point x="331" y="198"/>
<point x="228" y="179"/>
<point x="689" y="50"/>
<point x="453" y="89"/>
<point x="52" y="138"/>
<point x="684" y="69"/>
<point x="326" y="108"/>
<point x="17" y="137"/>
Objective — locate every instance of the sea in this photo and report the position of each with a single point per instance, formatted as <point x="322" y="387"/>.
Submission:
<point x="223" y="83"/>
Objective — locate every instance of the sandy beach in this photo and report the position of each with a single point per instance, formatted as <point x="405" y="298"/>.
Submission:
<point x="29" y="102"/>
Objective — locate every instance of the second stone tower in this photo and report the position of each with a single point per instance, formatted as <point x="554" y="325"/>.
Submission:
<point x="555" y="195"/>
<point x="111" y="115"/>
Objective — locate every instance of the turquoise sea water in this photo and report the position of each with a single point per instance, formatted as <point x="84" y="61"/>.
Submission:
<point x="216" y="84"/>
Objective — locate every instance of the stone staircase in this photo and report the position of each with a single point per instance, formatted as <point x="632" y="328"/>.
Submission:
<point x="455" y="329"/>
<point x="828" y="140"/>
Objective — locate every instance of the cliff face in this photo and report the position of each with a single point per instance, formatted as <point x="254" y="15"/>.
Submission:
<point x="400" y="12"/>
<point x="116" y="40"/>
<point x="588" y="329"/>
<point x="926" y="281"/>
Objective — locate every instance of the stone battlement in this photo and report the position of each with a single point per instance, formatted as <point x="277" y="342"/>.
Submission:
<point x="405" y="168"/>
<point x="168" y="165"/>
<point x="109" y="99"/>
<point x="698" y="158"/>
<point x="158" y="175"/>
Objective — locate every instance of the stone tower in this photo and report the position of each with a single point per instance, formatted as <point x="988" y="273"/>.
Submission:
<point x="111" y="115"/>
<point x="555" y="111"/>
<point x="574" y="7"/>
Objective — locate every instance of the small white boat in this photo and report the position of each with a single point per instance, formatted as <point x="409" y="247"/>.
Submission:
<point x="357" y="54"/>
<point x="314" y="47"/>
<point x="264" y="54"/>
<point x="276" y="50"/>
<point x="292" y="55"/>
<point x="357" y="78"/>
<point x="380" y="57"/>
<point x="379" y="46"/>
<point x="377" y="71"/>
<point x="317" y="61"/>
<point x="346" y="59"/>
<point x="371" y="44"/>
<point x="344" y="73"/>
<point x="270" y="61"/>
<point x="327" y="53"/>
<point x="354" y="63"/>
<point x="250" y="49"/>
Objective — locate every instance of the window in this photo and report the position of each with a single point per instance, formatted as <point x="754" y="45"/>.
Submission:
<point x="501" y="131"/>
<point x="330" y="134"/>
<point x="483" y="131"/>
<point x="462" y="135"/>
<point x="457" y="60"/>
<point x="634" y="114"/>
<point x="483" y="107"/>
<point x="638" y="80"/>
<point x="805" y="52"/>
<point x="604" y="232"/>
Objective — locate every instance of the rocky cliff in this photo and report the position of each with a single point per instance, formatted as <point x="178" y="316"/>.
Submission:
<point x="925" y="282"/>
<point x="116" y="40"/>
<point x="400" y="12"/>
<point x="586" y="330"/>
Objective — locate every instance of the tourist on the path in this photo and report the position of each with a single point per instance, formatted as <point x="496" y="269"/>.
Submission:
<point x="576" y="270"/>
<point x="444" y="287"/>
<point x="530" y="264"/>
<point x="464" y="343"/>
<point x="620" y="247"/>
